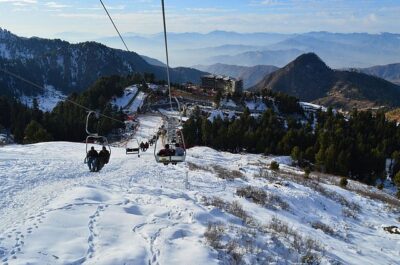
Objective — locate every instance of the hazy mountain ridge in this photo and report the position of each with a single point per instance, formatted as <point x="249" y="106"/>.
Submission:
<point x="250" y="75"/>
<point x="71" y="67"/>
<point x="310" y="79"/>
<point x="338" y="50"/>
<point x="390" y="72"/>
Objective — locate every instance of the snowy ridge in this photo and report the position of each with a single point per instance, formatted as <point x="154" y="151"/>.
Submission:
<point x="129" y="93"/>
<point x="46" y="101"/>
<point x="53" y="211"/>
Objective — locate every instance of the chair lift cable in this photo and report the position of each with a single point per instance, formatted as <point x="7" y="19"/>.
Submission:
<point x="119" y="34"/>
<point x="166" y="53"/>
<point x="112" y="21"/>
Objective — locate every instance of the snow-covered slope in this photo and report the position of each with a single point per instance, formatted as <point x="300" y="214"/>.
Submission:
<point x="53" y="211"/>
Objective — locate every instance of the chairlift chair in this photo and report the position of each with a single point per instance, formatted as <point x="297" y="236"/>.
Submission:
<point x="94" y="138"/>
<point x="130" y="150"/>
<point x="173" y="159"/>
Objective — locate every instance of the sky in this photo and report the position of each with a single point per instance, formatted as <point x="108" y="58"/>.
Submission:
<point x="86" y="18"/>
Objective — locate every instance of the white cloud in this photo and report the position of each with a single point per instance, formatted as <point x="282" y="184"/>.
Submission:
<point x="55" y="5"/>
<point x="19" y="2"/>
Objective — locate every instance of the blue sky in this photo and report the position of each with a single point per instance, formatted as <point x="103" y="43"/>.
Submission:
<point x="85" y="17"/>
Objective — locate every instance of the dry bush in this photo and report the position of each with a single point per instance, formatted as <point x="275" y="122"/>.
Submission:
<point x="274" y="166"/>
<point x="215" y="201"/>
<point x="227" y="174"/>
<point x="213" y="234"/>
<point x="256" y="194"/>
<point x="346" y="212"/>
<point x="193" y="167"/>
<point x="298" y="242"/>
<point x="379" y="196"/>
<point x="310" y="258"/>
<point x="236" y="209"/>
<point x="324" y="228"/>
<point x="235" y="252"/>
<point x="262" y="197"/>
<point x="266" y="174"/>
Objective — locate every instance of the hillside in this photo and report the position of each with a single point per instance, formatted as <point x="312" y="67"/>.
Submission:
<point x="390" y="72"/>
<point x="310" y="79"/>
<point x="70" y="67"/>
<point x="250" y="75"/>
<point x="138" y="212"/>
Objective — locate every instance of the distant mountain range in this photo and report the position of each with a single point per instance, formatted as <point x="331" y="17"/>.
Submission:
<point x="310" y="79"/>
<point x="250" y="75"/>
<point x="338" y="50"/>
<point x="390" y="72"/>
<point x="70" y="67"/>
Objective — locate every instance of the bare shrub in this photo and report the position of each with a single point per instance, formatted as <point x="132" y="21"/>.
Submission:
<point x="346" y="212"/>
<point x="324" y="228"/>
<point x="213" y="234"/>
<point x="215" y="201"/>
<point x="379" y="196"/>
<point x="274" y="166"/>
<point x="343" y="182"/>
<point x="310" y="258"/>
<point x="266" y="174"/>
<point x="257" y="195"/>
<point x="227" y="174"/>
<point x="233" y="249"/>
<point x="262" y="197"/>
<point x="236" y="209"/>
<point x="193" y="167"/>
<point x="298" y="242"/>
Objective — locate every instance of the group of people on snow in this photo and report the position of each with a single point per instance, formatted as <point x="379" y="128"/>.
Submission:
<point x="144" y="146"/>
<point x="97" y="160"/>
<point x="167" y="151"/>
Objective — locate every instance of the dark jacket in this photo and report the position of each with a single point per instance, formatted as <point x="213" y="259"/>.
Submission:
<point x="93" y="154"/>
<point x="166" y="152"/>
<point x="104" y="156"/>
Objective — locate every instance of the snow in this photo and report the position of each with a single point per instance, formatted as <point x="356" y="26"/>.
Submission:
<point x="138" y="102"/>
<point x="4" y="52"/>
<point x="258" y="105"/>
<point x="135" y="211"/>
<point x="215" y="114"/>
<point x="172" y="114"/>
<point x="228" y="103"/>
<point x="129" y="93"/>
<point x="312" y="107"/>
<point x="46" y="101"/>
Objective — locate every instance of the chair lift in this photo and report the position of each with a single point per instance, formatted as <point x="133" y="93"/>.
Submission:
<point x="94" y="137"/>
<point x="174" y="136"/>
<point x="130" y="150"/>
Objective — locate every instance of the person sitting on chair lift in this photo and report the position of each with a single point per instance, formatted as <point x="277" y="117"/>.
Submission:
<point x="166" y="151"/>
<point x="92" y="157"/>
<point x="104" y="157"/>
<point x="179" y="151"/>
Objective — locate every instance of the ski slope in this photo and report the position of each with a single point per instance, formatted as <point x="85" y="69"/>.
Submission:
<point x="53" y="211"/>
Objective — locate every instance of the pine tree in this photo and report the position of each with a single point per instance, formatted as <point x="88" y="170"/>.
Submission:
<point x="34" y="133"/>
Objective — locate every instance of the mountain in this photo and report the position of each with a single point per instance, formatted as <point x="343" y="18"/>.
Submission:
<point x="71" y="67"/>
<point x="152" y="61"/>
<point x="390" y="72"/>
<point x="339" y="50"/>
<point x="250" y="75"/>
<point x="252" y="58"/>
<point x="310" y="79"/>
